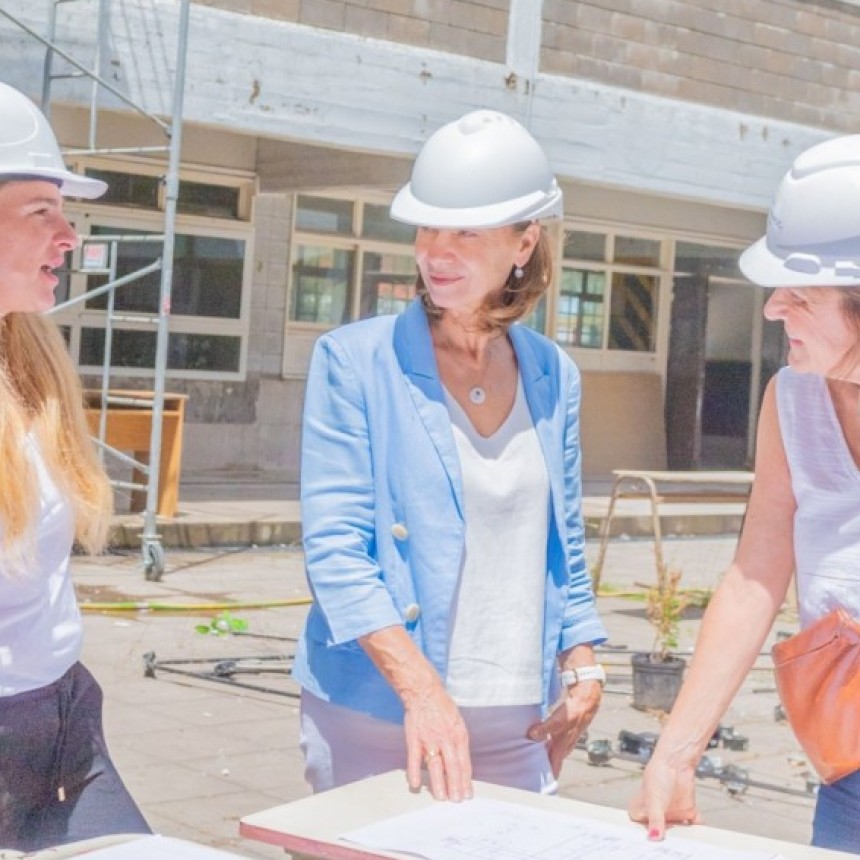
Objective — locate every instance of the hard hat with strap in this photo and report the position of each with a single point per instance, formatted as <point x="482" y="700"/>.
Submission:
<point x="813" y="227"/>
<point x="29" y="149"/>
<point x="482" y="170"/>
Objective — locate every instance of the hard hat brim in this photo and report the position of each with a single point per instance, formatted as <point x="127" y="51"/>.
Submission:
<point x="408" y="209"/>
<point x="761" y="266"/>
<point x="74" y="185"/>
<point x="71" y="184"/>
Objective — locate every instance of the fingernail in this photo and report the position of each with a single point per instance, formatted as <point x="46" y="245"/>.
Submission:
<point x="654" y="834"/>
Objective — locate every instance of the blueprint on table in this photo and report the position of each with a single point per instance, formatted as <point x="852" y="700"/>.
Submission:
<point x="494" y="830"/>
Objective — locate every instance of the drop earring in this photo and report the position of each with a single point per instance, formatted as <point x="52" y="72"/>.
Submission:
<point x="518" y="272"/>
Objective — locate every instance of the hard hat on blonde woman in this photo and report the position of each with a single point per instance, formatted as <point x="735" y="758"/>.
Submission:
<point x="29" y="149"/>
<point x="813" y="227"/>
<point x="482" y="170"/>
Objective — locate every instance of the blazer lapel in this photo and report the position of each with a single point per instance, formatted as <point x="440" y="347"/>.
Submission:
<point x="414" y="350"/>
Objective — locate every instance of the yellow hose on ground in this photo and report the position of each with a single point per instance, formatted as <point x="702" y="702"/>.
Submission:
<point x="148" y="606"/>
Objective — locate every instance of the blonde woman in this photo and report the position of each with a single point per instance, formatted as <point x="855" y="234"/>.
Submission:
<point x="57" y="782"/>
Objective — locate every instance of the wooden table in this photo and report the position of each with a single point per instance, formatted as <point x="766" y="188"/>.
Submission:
<point x="310" y="828"/>
<point x="637" y="483"/>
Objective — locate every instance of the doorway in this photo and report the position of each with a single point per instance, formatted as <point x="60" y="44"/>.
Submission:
<point x="730" y="393"/>
<point x="714" y="372"/>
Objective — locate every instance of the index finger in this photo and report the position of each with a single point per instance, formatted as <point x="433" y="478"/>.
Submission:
<point x="656" y="820"/>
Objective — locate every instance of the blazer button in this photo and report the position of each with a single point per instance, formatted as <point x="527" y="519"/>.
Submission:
<point x="399" y="531"/>
<point x="412" y="611"/>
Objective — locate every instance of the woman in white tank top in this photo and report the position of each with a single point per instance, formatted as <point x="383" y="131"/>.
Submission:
<point x="804" y="509"/>
<point x="57" y="782"/>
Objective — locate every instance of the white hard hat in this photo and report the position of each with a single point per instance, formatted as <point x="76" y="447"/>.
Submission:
<point x="482" y="170"/>
<point x="29" y="150"/>
<point x="813" y="227"/>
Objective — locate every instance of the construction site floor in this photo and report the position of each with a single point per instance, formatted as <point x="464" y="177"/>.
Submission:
<point x="200" y="745"/>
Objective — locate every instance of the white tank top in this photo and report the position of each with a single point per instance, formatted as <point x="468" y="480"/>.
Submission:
<point x="40" y="623"/>
<point x="826" y="485"/>
<point x="496" y="645"/>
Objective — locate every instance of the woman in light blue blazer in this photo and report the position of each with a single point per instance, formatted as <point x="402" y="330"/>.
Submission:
<point x="441" y="499"/>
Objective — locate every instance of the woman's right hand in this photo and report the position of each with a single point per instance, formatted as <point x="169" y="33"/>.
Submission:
<point x="437" y="737"/>
<point x="667" y="796"/>
<point x="433" y="727"/>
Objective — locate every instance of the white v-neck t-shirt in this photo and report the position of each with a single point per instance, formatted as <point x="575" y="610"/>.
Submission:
<point x="496" y="644"/>
<point x="41" y="632"/>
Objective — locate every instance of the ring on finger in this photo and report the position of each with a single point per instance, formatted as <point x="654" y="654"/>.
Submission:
<point x="430" y="754"/>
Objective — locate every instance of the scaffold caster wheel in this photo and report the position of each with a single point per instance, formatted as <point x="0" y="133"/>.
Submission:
<point x="153" y="560"/>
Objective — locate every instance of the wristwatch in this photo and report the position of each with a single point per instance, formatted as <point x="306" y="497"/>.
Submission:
<point x="571" y="677"/>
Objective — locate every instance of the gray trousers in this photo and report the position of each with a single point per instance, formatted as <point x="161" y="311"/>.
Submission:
<point x="57" y="782"/>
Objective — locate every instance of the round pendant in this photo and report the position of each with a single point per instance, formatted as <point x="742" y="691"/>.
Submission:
<point x="477" y="395"/>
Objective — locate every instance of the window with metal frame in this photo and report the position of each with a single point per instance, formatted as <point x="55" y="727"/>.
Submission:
<point x="210" y="301"/>
<point x="608" y="291"/>
<point x="349" y="261"/>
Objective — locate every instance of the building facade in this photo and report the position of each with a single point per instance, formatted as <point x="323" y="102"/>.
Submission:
<point x="668" y="122"/>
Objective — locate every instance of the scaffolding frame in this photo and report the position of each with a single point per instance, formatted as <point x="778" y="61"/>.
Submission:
<point x="152" y="550"/>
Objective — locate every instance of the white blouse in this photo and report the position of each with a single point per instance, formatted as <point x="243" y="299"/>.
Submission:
<point x="40" y="624"/>
<point x="496" y="633"/>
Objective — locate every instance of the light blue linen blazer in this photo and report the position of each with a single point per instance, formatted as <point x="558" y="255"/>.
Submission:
<point x="382" y="505"/>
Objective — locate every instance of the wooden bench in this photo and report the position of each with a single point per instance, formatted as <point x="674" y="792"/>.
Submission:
<point x="637" y="483"/>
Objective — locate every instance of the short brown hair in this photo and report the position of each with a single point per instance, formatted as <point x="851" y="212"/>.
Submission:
<point x="517" y="297"/>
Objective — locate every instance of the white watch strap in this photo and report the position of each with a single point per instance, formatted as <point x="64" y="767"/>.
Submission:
<point x="571" y="677"/>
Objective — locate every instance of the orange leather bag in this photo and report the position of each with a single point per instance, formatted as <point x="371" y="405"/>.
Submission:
<point x="818" y="679"/>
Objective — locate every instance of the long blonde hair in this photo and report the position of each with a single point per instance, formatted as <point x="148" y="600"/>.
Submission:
<point x="40" y="393"/>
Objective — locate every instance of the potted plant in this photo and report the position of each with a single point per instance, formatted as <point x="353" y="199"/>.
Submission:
<point x="657" y="674"/>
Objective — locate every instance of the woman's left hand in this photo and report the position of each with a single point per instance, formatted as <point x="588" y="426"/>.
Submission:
<point x="567" y="721"/>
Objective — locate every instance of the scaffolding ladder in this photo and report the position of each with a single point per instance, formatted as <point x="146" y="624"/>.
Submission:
<point x="152" y="550"/>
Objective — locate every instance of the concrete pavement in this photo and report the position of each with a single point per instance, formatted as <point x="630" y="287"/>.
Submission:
<point x="199" y="754"/>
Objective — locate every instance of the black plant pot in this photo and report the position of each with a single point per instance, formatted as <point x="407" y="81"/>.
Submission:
<point x="656" y="683"/>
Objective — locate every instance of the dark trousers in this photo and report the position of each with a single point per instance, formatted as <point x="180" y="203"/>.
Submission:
<point x="57" y="782"/>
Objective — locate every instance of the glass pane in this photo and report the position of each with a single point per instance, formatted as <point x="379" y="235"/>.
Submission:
<point x="207" y="275"/>
<point x="579" y="321"/>
<point x="377" y="224"/>
<point x="633" y="313"/>
<point x="579" y="245"/>
<point x="320" y="215"/>
<point x="387" y="283"/>
<point x="537" y="318"/>
<point x="707" y="261"/>
<point x="200" y="198"/>
<point x="128" y="189"/>
<point x="637" y="252"/>
<point x="139" y="295"/>
<point x="322" y="284"/>
<point x="136" y="349"/>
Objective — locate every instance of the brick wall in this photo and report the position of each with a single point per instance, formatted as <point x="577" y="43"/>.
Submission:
<point x="471" y="28"/>
<point x="794" y="60"/>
